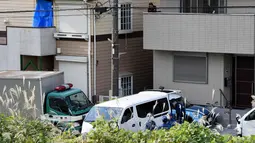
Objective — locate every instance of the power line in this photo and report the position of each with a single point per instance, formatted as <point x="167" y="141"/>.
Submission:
<point x="133" y="7"/>
<point x="31" y="16"/>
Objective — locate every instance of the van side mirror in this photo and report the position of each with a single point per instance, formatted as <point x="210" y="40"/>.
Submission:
<point x="238" y="117"/>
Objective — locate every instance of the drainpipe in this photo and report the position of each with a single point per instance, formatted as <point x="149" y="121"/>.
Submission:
<point x="89" y="57"/>
<point x="95" y="52"/>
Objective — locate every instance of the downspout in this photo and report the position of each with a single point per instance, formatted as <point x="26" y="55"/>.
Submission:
<point x="95" y="53"/>
<point x="89" y="57"/>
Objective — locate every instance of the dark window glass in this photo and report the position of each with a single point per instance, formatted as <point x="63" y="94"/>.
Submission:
<point x="128" y="114"/>
<point x="59" y="105"/>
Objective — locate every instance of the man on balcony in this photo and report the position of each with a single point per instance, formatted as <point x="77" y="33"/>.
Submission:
<point x="152" y="7"/>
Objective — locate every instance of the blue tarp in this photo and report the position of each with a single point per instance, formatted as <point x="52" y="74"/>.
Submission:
<point x="43" y="16"/>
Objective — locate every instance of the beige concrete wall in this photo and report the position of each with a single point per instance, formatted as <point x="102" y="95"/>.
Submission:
<point x="16" y="19"/>
<point x="195" y="93"/>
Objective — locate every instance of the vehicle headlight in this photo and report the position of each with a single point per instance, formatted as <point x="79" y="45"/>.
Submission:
<point x="76" y="124"/>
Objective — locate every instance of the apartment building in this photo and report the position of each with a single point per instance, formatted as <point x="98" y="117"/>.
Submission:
<point x="204" y="51"/>
<point x="78" y="44"/>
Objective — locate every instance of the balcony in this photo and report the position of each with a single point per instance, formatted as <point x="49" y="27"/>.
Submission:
<point x="32" y="41"/>
<point x="215" y="33"/>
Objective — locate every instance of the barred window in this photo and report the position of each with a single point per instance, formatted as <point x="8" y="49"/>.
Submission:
<point x="126" y="85"/>
<point x="125" y="17"/>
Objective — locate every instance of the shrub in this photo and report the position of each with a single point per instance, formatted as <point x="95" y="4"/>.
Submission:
<point x="185" y="133"/>
<point x="19" y="130"/>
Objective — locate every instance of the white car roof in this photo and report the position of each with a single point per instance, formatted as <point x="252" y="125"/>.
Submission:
<point x="172" y="96"/>
<point x="128" y="101"/>
<point x="172" y="93"/>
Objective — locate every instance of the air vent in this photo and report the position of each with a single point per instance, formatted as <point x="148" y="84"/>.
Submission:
<point x="71" y="36"/>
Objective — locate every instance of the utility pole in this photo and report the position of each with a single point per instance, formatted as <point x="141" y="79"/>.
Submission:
<point x="115" y="50"/>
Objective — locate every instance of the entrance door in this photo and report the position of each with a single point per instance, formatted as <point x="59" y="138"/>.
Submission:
<point x="244" y="81"/>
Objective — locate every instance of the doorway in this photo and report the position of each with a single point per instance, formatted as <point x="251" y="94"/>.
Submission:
<point x="243" y="81"/>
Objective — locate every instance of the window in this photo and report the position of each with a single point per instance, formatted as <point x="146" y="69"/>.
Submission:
<point x="190" y="69"/>
<point x="59" y="105"/>
<point x="126" y="85"/>
<point x="161" y="107"/>
<point x="250" y="117"/>
<point x="128" y="114"/>
<point x="79" y="101"/>
<point x="203" y="6"/>
<point x="125" y="18"/>
<point x="108" y="113"/>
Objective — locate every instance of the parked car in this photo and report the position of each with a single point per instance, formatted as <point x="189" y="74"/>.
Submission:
<point x="193" y="111"/>
<point x="246" y="124"/>
<point x="131" y="111"/>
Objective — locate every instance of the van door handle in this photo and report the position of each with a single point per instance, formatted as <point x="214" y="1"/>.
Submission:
<point x="140" y="124"/>
<point x="133" y="125"/>
<point x="50" y="116"/>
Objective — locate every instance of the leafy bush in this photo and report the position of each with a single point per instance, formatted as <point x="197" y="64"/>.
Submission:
<point x="19" y="130"/>
<point x="185" y="133"/>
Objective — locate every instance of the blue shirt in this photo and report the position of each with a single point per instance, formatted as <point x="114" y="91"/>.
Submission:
<point x="167" y="125"/>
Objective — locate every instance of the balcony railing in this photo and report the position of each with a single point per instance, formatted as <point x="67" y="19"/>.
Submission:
<point x="32" y="41"/>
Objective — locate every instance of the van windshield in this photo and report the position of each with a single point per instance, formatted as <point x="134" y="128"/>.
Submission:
<point x="108" y="113"/>
<point x="79" y="101"/>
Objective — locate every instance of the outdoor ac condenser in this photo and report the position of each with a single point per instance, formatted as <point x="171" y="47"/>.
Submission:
<point x="103" y="98"/>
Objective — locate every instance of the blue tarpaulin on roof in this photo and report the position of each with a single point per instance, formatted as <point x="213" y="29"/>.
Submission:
<point x="43" y="16"/>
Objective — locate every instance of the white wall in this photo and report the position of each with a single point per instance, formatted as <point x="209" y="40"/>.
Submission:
<point x="75" y="71"/>
<point x="9" y="58"/>
<point x="195" y="93"/>
<point x="214" y="33"/>
<point x="32" y="41"/>
<point x="3" y="57"/>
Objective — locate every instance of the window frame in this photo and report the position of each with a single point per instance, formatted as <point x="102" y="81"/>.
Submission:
<point x="188" y="9"/>
<point x="189" y="81"/>
<point x="247" y="118"/>
<point x="54" y="98"/>
<point x="155" y="115"/>
<point x="132" y="84"/>
<point x="132" y="115"/>
<point x="123" y="31"/>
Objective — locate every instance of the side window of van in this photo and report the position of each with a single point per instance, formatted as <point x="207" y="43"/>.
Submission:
<point x="128" y="114"/>
<point x="144" y="109"/>
<point x="162" y="106"/>
<point x="251" y="116"/>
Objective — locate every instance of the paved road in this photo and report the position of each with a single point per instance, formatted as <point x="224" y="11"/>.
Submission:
<point x="233" y="119"/>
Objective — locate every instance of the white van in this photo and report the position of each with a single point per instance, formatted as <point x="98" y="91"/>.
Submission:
<point x="131" y="111"/>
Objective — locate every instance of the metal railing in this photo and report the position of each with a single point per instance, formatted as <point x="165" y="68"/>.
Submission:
<point x="227" y="105"/>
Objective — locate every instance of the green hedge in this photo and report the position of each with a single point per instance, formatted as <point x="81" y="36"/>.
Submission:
<point x="185" y="133"/>
<point x="21" y="130"/>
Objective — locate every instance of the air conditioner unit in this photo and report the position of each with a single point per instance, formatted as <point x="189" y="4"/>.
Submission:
<point x="71" y="36"/>
<point x="103" y="98"/>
